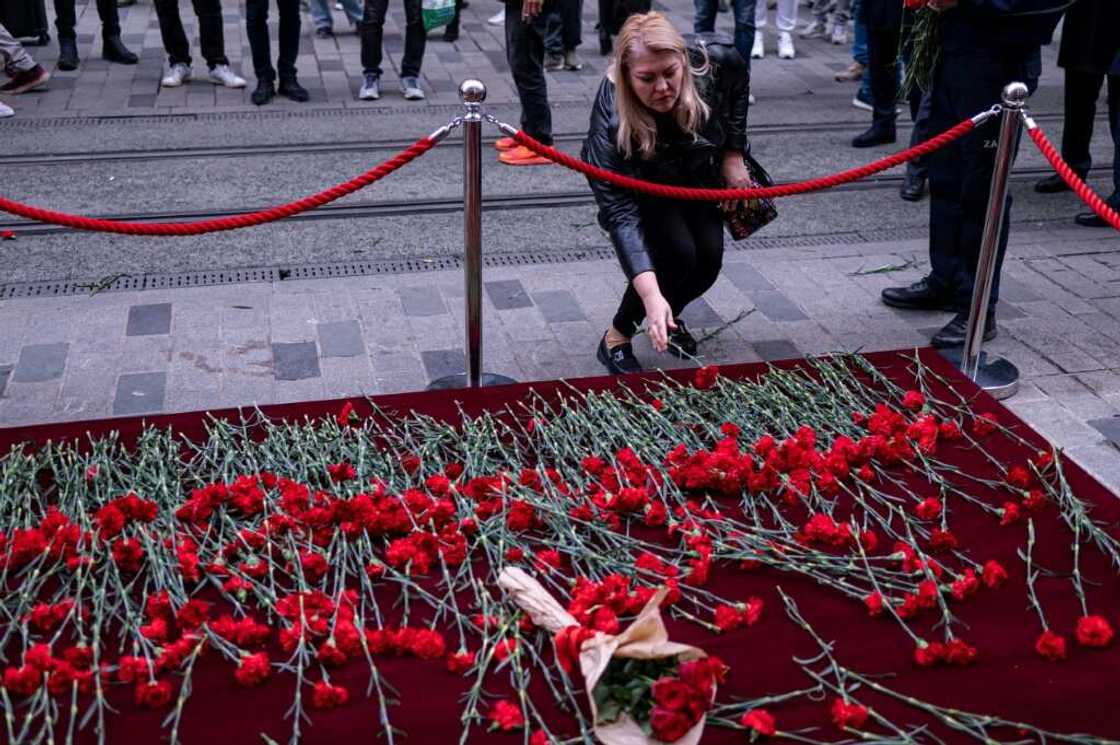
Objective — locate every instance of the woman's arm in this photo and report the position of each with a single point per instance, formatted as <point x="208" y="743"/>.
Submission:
<point x="659" y="315"/>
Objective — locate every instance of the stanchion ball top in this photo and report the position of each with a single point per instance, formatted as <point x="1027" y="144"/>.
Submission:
<point x="1015" y="95"/>
<point x="472" y="91"/>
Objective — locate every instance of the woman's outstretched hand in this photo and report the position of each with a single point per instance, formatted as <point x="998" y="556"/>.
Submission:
<point x="735" y="173"/>
<point x="659" y="314"/>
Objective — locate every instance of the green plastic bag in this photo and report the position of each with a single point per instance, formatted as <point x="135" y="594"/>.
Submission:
<point x="437" y="13"/>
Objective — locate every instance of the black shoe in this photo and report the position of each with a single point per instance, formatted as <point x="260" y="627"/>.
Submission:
<point x="618" y="360"/>
<point x="324" y="33"/>
<point x="1090" y="220"/>
<point x="114" y="50"/>
<point x="952" y="334"/>
<point x="681" y="343"/>
<point x="290" y="88"/>
<point x="67" y="54"/>
<point x="1054" y="183"/>
<point x="450" y="34"/>
<point x="876" y="134"/>
<point x="914" y="187"/>
<point x="264" y="92"/>
<point x="918" y="296"/>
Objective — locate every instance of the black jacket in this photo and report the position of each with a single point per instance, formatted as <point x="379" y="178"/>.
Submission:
<point x="1000" y="29"/>
<point x="678" y="160"/>
<point x="1091" y="37"/>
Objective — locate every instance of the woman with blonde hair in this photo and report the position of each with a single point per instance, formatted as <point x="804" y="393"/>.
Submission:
<point x="674" y="112"/>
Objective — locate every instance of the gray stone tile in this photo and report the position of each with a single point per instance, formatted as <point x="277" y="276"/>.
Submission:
<point x="149" y="320"/>
<point x="421" y="301"/>
<point x="1005" y="311"/>
<point x="341" y="339"/>
<point x="558" y="306"/>
<point x="775" y="349"/>
<point x="698" y="314"/>
<point x="140" y="393"/>
<point x="507" y="294"/>
<point x="442" y="362"/>
<point x="746" y="277"/>
<point x="40" y="362"/>
<point x="1109" y="427"/>
<point x="5" y="373"/>
<point x="777" y="307"/>
<point x="295" y="361"/>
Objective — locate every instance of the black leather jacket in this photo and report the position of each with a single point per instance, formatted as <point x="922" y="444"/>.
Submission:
<point x="678" y="160"/>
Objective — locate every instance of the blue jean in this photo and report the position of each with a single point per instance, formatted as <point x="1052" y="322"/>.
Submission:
<point x="859" y="52"/>
<point x="321" y="13"/>
<point x="704" y="21"/>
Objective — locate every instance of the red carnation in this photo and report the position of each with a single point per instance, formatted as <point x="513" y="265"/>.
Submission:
<point x="1018" y="477"/>
<point x="705" y="377"/>
<point x="928" y="655"/>
<point x="341" y="472"/>
<point x="874" y="603"/>
<point x="23" y="681"/>
<point x="960" y="653"/>
<point x="1050" y="646"/>
<point x="913" y="400"/>
<point x="327" y="696"/>
<point x="253" y="669"/>
<point x="506" y="715"/>
<point x="1010" y="514"/>
<point x="760" y="720"/>
<point x="994" y="574"/>
<point x="505" y="648"/>
<point x="929" y="508"/>
<point x="848" y="715"/>
<point x="1093" y="631"/>
<point x="8" y="235"/>
<point x="514" y="553"/>
<point x="347" y="415"/>
<point x="984" y="424"/>
<point x="153" y="695"/>
<point x="460" y="662"/>
<point x="428" y="644"/>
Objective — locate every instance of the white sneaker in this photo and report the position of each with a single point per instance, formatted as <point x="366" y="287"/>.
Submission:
<point x="812" y="30"/>
<point x="410" y="88"/>
<point x="6" y="111"/>
<point x="371" y="88"/>
<point x="785" y="46"/>
<point x="176" y="76"/>
<point x="498" y="19"/>
<point x="750" y="98"/>
<point x="222" y="75"/>
<point x="840" y="33"/>
<point x="758" y="51"/>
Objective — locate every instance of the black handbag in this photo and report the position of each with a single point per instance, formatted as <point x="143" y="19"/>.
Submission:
<point x="746" y="217"/>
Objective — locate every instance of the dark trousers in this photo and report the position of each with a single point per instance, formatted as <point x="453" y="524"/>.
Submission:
<point x="65" y="19"/>
<point x="685" y="243"/>
<point x="372" y="26"/>
<point x="1082" y="89"/>
<point x="704" y="21"/>
<point x="562" y="27"/>
<point x="212" y="38"/>
<point x="960" y="174"/>
<point x="256" y="25"/>
<point x="525" y="54"/>
<point x="882" y="65"/>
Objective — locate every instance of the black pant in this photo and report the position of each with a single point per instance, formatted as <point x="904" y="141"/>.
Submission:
<point x="685" y="243"/>
<point x="525" y="54"/>
<point x="373" y="23"/>
<point x="256" y="25"/>
<point x="1082" y="89"/>
<point x="562" y="26"/>
<point x="960" y="174"/>
<point x="212" y="38"/>
<point x="65" y="19"/>
<point x="919" y="113"/>
<point x="882" y="60"/>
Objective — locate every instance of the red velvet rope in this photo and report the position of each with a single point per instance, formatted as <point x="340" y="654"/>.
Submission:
<point x="769" y="192"/>
<point x="224" y="223"/>
<point x="1079" y="187"/>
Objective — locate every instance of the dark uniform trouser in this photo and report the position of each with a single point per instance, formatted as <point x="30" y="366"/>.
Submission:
<point x="960" y="174"/>
<point x="1082" y="89"/>
<point x="525" y="54"/>
<point x="65" y="19"/>
<point x="256" y="26"/>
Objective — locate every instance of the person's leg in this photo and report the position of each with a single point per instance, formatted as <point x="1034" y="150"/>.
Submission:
<point x="12" y="53"/>
<point x="786" y="17"/>
<point x="288" y="38"/>
<point x="945" y="179"/>
<point x="1114" y="128"/>
<point x="1081" y="92"/>
<point x="525" y="53"/>
<point x="703" y="16"/>
<point x="110" y="20"/>
<point x="171" y="31"/>
<point x="571" y="20"/>
<point x="744" y="12"/>
<point x="760" y="15"/>
<point x="415" y="39"/>
<point x="373" y="24"/>
<point x="705" y="225"/>
<point x="256" y="28"/>
<point x="211" y="36"/>
<point x="353" y="10"/>
<point x="65" y="19"/>
<point x="882" y="47"/>
<point x="320" y="14"/>
<point x="551" y="28"/>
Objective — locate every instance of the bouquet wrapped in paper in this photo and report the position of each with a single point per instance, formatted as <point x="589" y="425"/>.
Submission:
<point x="626" y="707"/>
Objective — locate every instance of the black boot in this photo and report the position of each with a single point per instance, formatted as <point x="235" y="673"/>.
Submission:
<point x="114" y="50"/>
<point x="1054" y="183"/>
<point x="914" y="187"/>
<point x="450" y="34"/>
<point x="954" y="332"/>
<point x="619" y="360"/>
<point x="290" y="88"/>
<point x="67" y="54"/>
<point x="918" y="296"/>
<point x="264" y="92"/>
<point x="880" y="133"/>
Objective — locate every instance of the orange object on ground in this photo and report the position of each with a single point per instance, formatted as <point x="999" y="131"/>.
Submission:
<point x="505" y="143"/>
<point x="522" y="156"/>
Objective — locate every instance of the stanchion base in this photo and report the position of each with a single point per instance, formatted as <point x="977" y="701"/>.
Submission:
<point x="998" y="377"/>
<point x="459" y="380"/>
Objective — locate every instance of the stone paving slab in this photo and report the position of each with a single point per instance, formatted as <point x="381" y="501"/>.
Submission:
<point x="119" y="353"/>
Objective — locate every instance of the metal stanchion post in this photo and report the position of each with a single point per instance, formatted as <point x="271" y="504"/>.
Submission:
<point x="472" y="93"/>
<point x="998" y="376"/>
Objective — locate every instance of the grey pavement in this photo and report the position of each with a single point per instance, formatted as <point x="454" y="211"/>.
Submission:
<point x="333" y="307"/>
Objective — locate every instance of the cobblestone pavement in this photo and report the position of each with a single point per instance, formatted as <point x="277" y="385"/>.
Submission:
<point x="74" y="357"/>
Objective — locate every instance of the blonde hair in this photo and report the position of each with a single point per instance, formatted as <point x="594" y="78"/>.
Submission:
<point x="636" y="125"/>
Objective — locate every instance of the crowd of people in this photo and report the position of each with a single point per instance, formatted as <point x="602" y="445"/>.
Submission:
<point x="673" y="109"/>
